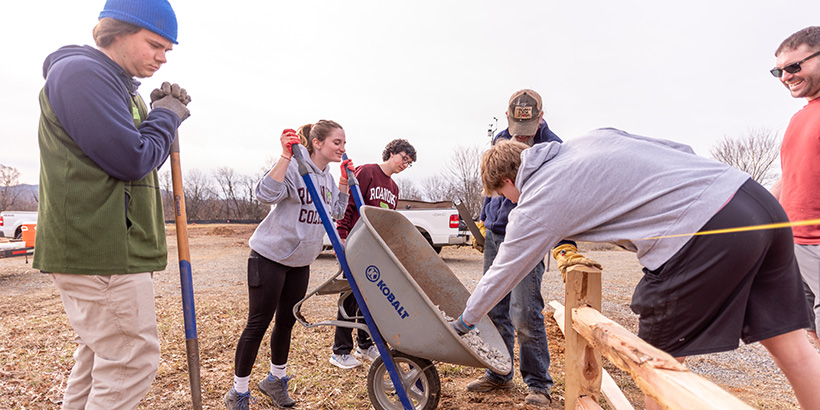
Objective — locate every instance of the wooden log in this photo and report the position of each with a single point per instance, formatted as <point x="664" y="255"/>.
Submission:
<point x="656" y="372"/>
<point x="587" y="403"/>
<point x="582" y="362"/>
<point x="613" y="394"/>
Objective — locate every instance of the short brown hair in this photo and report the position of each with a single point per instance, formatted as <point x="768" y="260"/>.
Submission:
<point x="397" y="146"/>
<point x="108" y="29"/>
<point x="500" y="162"/>
<point x="319" y="131"/>
<point x="810" y="36"/>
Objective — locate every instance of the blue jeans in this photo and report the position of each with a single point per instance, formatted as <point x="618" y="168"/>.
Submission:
<point x="521" y="311"/>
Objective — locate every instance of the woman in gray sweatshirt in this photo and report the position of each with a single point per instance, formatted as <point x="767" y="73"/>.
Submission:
<point x="282" y="248"/>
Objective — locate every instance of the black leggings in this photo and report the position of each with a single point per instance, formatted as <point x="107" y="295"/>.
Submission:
<point x="273" y="288"/>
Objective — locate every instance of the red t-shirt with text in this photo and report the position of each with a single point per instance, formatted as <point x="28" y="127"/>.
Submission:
<point x="377" y="188"/>
<point x="800" y="162"/>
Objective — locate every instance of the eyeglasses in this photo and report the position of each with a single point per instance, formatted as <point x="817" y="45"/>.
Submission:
<point x="792" y="68"/>
<point x="408" y="162"/>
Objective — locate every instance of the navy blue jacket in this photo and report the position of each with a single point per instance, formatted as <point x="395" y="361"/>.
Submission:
<point x="91" y="96"/>
<point x="497" y="209"/>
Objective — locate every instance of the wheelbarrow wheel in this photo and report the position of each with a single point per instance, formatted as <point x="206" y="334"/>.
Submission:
<point x="419" y="377"/>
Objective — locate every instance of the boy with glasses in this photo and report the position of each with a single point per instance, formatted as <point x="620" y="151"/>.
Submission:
<point x="378" y="189"/>
<point x="798" y="68"/>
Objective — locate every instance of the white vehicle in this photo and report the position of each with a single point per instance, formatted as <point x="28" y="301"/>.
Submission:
<point x="438" y="223"/>
<point x="11" y="223"/>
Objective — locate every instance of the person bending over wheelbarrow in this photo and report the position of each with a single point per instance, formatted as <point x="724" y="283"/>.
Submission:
<point x="699" y="294"/>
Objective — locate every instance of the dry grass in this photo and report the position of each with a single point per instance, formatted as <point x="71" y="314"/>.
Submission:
<point x="36" y="340"/>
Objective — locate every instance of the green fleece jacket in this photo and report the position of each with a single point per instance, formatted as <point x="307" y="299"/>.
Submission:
<point x="93" y="218"/>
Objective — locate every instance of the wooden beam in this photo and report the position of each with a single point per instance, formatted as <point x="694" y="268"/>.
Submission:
<point x="587" y="403"/>
<point x="656" y="372"/>
<point x="582" y="362"/>
<point x="613" y="394"/>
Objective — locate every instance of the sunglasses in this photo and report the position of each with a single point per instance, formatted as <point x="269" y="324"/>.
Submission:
<point x="408" y="162"/>
<point x="792" y="68"/>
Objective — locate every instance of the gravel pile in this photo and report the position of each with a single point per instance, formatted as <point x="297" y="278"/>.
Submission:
<point x="488" y="353"/>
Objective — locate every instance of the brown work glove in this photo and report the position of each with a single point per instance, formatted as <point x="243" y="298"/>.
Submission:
<point x="567" y="255"/>
<point x="483" y="230"/>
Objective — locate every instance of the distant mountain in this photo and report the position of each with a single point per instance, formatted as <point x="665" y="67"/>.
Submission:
<point x="26" y="197"/>
<point x="26" y="188"/>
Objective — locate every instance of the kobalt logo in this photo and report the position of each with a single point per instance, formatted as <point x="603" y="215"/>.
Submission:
<point x="373" y="275"/>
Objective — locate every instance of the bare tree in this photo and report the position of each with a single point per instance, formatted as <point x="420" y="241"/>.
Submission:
<point x="9" y="192"/>
<point x="226" y="179"/>
<point x="167" y="190"/>
<point x="408" y="189"/>
<point x="463" y="171"/>
<point x="199" y="194"/>
<point x="436" y="188"/>
<point x="756" y="153"/>
<point x="252" y="208"/>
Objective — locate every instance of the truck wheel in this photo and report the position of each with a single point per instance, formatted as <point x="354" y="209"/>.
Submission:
<point x="430" y="241"/>
<point x="419" y="377"/>
<point x="18" y="234"/>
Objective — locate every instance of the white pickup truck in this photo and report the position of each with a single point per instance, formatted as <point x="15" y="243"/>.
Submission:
<point x="11" y="223"/>
<point x="438" y="223"/>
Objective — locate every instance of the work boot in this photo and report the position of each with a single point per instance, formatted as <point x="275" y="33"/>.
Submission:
<point x="371" y="353"/>
<point x="538" y="399"/>
<point x="344" y="361"/>
<point x="484" y="384"/>
<point x="237" y="401"/>
<point x="277" y="390"/>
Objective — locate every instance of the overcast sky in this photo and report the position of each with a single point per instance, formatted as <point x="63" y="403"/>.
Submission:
<point x="433" y="72"/>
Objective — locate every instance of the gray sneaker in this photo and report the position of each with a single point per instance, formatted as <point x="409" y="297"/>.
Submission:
<point x="538" y="399"/>
<point x="344" y="361"/>
<point x="238" y="401"/>
<point x="277" y="390"/>
<point x="371" y="353"/>
<point x="484" y="384"/>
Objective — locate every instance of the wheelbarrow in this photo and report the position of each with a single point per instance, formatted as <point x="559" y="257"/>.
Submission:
<point x="407" y="289"/>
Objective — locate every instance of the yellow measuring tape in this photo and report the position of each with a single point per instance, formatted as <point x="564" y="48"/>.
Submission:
<point x="742" y="229"/>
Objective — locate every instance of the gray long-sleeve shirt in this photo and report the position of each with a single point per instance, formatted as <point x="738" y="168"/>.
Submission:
<point x="292" y="232"/>
<point x="606" y="186"/>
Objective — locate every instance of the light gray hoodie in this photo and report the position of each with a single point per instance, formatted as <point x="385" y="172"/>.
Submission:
<point x="606" y="186"/>
<point x="292" y="232"/>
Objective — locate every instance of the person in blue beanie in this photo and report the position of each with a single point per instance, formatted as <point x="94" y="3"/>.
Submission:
<point x="101" y="227"/>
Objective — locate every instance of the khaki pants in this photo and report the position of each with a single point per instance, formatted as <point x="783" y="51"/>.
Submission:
<point x="118" y="348"/>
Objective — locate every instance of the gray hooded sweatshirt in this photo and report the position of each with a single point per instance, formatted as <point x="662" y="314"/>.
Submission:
<point x="606" y="186"/>
<point x="292" y="232"/>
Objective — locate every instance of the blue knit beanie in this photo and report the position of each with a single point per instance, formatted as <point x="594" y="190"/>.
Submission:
<point x="153" y="15"/>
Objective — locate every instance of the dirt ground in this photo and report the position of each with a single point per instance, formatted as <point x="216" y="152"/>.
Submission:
<point x="36" y="341"/>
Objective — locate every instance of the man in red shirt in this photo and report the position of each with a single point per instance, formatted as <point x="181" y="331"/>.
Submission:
<point x="798" y="68"/>
<point x="378" y="189"/>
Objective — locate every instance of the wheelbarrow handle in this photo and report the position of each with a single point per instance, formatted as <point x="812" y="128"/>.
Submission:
<point x="353" y="183"/>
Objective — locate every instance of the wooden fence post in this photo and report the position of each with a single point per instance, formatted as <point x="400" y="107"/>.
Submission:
<point x="582" y="362"/>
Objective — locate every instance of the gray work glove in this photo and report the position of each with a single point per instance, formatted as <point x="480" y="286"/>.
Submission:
<point x="460" y="327"/>
<point x="171" y="97"/>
